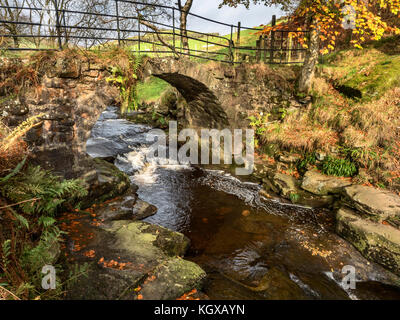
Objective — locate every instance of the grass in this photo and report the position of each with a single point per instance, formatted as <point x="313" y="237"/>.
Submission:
<point x="373" y="70"/>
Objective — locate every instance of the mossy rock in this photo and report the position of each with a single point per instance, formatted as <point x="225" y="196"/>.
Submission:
<point x="106" y="182"/>
<point x="376" y="241"/>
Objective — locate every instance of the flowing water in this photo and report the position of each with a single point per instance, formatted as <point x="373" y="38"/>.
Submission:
<point x="250" y="247"/>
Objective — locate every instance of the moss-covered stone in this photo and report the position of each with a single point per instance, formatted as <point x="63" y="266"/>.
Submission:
<point x="172" y="279"/>
<point x="377" y="242"/>
<point x="151" y="258"/>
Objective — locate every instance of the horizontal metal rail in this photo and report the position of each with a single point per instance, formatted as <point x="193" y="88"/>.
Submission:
<point x="140" y="30"/>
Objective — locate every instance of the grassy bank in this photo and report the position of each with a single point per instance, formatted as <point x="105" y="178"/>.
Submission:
<point x="353" y="119"/>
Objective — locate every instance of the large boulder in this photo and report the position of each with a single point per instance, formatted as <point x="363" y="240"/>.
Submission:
<point x="375" y="203"/>
<point x="323" y="185"/>
<point x="106" y="181"/>
<point x="376" y="241"/>
<point x="127" y="207"/>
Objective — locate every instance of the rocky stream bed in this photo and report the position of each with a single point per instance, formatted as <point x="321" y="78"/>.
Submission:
<point x="177" y="228"/>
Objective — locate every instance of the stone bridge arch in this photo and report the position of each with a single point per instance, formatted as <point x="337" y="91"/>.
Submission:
<point x="203" y="107"/>
<point x="222" y="95"/>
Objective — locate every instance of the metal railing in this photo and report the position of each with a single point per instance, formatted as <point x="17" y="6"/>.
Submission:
<point x="125" y="25"/>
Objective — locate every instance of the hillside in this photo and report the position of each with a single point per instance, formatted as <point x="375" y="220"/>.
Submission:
<point x="352" y="122"/>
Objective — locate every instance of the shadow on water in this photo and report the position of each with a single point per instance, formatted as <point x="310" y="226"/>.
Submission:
<point x="251" y="248"/>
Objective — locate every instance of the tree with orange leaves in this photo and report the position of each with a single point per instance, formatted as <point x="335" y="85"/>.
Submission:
<point x="329" y="21"/>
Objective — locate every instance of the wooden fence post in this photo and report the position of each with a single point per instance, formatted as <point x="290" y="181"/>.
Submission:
<point x="265" y="47"/>
<point x="258" y="49"/>
<point x="290" y="45"/>
<point x="273" y="24"/>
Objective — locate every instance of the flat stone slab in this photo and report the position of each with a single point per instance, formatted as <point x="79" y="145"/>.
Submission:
<point x="379" y="204"/>
<point x="377" y="242"/>
<point x="320" y="184"/>
<point x="133" y="260"/>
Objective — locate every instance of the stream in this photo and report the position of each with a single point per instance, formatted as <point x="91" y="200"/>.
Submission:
<point x="251" y="247"/>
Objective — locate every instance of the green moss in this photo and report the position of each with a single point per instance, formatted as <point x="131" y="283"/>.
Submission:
<point x="373" y="70"/>
<point x="151" y="90"/>
<point x="383" y="76"/>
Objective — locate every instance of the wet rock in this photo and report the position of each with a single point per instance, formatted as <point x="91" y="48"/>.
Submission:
<point x="141" y="255"/>
<point x="172" y="279"/>
<point x="127" y="207"/>
<point x="310" y="200"/>
<point x="16" y="108"/>
<point x="377" y="204"/>
<point x="377" y="242"/>
<point x="323" y="185"/>
<point x="289" y="188"/>
<point x="142" y="210"/>
<point x="105" y="182"/>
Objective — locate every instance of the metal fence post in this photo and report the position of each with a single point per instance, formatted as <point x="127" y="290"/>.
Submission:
<point x="173" y="27"/>
<point x="118" y="30"/>
<point x="238" y="41"/>
<point x="208" y="53"/>
<point x="58" y="24"/>
<point x="65" y="27"/>
<point x="231" y="46"/>
<point x="273" y="24"/>
<point x="139" y="34"/>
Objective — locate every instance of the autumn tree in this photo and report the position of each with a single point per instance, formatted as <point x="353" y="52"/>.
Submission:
<point x="329" y="20"/>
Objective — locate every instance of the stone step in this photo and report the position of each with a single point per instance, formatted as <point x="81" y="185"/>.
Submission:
<point x="376" y="203"/>
<point x="377" y="242"/>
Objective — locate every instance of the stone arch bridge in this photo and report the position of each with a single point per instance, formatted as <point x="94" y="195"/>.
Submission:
<point x="73" y="93"/>
<point x="221" y="95"/>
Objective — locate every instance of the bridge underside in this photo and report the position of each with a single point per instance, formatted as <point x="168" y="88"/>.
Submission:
<point x="204" y="109"/>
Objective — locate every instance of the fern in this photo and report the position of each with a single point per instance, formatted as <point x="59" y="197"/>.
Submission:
<point x="46" y="222"/>
<point x="18" y="132"/>
<point x="14" y="172"/>
<point x="22" y="220"/>
<point x="6" y="247"/>
<point x="48" y="190"/>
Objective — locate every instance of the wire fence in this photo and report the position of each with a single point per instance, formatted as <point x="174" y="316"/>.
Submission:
<point x="143" y="28"/>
